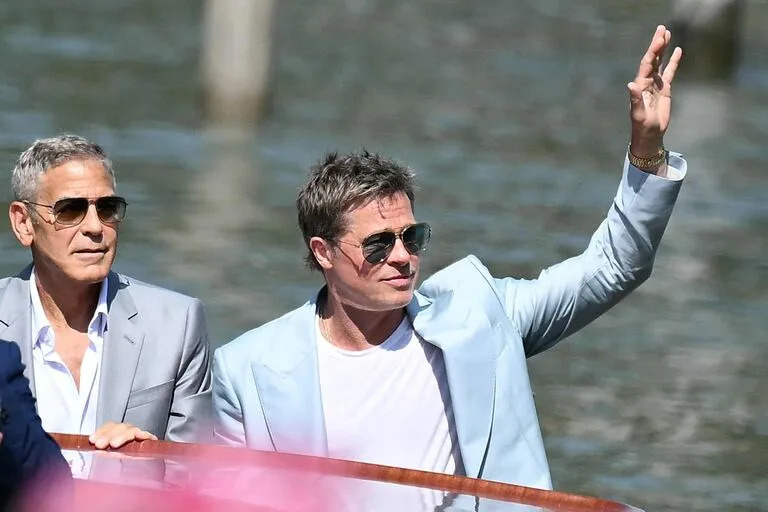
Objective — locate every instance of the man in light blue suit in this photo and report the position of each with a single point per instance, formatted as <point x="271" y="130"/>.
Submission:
<point x="434" y="379"/>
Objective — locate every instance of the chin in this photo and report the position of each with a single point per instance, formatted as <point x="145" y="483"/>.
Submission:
<point x="90" y="275"/>
<point x="397" y="300"/>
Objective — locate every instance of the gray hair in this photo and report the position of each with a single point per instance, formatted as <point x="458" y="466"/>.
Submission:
<point x="45" y="154"/>
<point x="339" y="184"/>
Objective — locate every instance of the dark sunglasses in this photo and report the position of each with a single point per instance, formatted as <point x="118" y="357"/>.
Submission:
<point x="378" y="246"/>
<point x="71" y="211"/>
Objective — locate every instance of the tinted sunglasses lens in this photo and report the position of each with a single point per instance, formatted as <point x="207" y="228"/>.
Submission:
<point x="71" y="210"/>
<point x="111" y="209"/>
<point x="416" y="237"/>
<point x="377" y="247"/>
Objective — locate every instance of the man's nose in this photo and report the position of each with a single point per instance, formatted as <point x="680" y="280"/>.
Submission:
<point x="91" y="222"/>
<point x="399" y="255"/>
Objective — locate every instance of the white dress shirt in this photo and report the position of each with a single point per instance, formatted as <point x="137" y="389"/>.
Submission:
<point x="61" y="405"/>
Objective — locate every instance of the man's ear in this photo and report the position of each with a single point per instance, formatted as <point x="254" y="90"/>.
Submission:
<point x="21" y="223"/>
<point x="323" y="252"/>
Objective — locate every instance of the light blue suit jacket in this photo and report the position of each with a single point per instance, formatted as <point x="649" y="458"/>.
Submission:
<point x="266" y="387"/>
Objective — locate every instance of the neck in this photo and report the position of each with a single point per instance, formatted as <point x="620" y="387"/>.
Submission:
<point x="65" y="303"/>
<point x="354" y="329"/>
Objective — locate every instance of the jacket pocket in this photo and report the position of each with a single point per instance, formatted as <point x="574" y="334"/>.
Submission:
<point x="153" y="394"/>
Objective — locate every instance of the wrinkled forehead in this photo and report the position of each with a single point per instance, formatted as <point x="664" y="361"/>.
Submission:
<point x="76" y="178"/>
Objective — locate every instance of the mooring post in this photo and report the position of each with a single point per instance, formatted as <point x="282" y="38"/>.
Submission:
<point x="236" y="58"/>
<point x="709" y="31"/>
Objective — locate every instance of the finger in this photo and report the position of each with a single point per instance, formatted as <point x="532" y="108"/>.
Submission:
<point x="99" y="442"/>
<point x="657" y="40"/>
<point x="100" y="438"/>
<point x="671" y="69"/>
<point x="655" y="50"/>
<point x="102" y="430"/>
<point x="104" y="435"/>
<point x="143" y="435"/>
<point x="119" y="440"/>
<point x="644" y="85"/>
<point x="130" y="433"/>
<point x="667" y="38"/>
<point x="636" y="105"/>
<point x="124" y="435"/>
<point x="655" y="65"/>
<point x="122" y="439"/>
<point x="107" y="438"/>
<point x="658" y="33"/>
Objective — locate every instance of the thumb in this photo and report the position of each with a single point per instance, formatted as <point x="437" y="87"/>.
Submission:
<point x="635" y="93"/>
<point x="636" y="105"/>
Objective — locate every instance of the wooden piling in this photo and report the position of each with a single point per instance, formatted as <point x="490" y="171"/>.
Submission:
<point x="709" y="31"/>
<point x="236" y="59"/>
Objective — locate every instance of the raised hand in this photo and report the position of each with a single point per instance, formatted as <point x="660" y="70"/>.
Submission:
<point x="650" y="96"/>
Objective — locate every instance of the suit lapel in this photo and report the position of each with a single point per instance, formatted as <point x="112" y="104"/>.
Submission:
<point x="466" y="341"/>
<point x="120" y="356"/>
<point x="16" y="319"/>
<point x="288" y="383"/>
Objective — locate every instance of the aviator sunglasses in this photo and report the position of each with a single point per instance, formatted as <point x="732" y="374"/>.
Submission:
<point x="378" y="246"/>
<point x="71" y="211"/>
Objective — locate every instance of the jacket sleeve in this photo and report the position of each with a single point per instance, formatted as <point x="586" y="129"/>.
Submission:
<point x="228" y="416"/>
<point x="569" y="295"/>
<point x="27" y="452"/>
<point x="190" y="415"/>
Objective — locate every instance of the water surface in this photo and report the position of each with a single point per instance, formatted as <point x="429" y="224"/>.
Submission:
<point x="514" y="116"/>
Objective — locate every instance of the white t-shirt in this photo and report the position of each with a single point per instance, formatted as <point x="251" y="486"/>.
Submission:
<point x="390" y="405"/>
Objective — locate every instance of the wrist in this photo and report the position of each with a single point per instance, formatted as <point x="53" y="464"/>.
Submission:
<point x="646" y="148"/>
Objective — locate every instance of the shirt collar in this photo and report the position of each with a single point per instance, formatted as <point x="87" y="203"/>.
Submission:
<point x="40" y="323"/>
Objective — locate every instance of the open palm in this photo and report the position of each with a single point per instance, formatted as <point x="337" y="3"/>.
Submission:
<point x="650" y="95"/>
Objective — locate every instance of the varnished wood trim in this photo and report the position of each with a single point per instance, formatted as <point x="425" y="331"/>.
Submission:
<point x="550" y="500"/>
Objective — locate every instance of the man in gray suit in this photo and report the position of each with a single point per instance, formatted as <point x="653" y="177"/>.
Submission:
<point x="106" y="355"/>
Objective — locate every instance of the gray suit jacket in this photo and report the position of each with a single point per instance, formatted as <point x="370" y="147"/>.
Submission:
<point x="155" y="367"/>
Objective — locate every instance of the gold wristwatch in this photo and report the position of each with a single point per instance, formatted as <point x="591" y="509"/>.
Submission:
<point x="647" y="163"/>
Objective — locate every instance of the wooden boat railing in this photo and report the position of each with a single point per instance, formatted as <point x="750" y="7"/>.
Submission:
<point x="550" y="500"/>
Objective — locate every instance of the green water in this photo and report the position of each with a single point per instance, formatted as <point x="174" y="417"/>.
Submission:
<point x="514" y="116"/>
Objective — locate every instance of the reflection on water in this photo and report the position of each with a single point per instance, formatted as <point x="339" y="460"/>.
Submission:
<point x="212" y="222"/>
<point x="515" y="118"/>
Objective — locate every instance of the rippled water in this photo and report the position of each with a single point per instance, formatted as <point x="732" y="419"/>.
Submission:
<point x="514" y="115"/>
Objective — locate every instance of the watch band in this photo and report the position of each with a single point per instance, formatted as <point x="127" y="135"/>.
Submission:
<point x="647" y="163"/>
